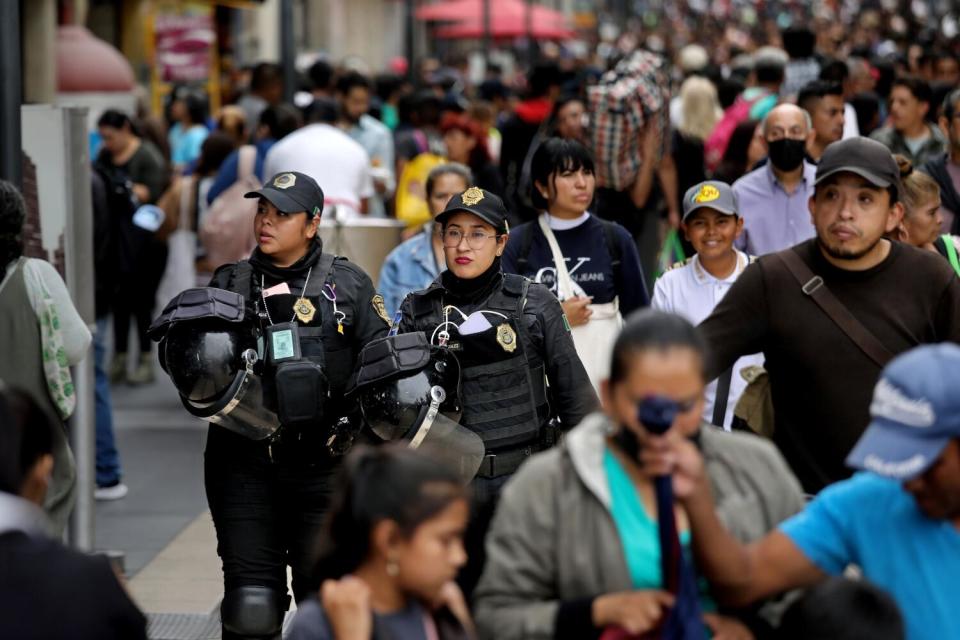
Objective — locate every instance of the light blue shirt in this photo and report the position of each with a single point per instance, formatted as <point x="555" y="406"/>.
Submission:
<point x="874" y="523"/>
<point x="411" y="266"/>
<point x="773" y="220"/>
<point x="377" y="140"/>
<point x="185" y="145"/>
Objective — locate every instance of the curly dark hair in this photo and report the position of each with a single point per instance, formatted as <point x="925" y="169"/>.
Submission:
<point x="13" y="212"/>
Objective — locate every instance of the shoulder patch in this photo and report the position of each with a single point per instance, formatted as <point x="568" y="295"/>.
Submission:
<point x="513" y="283"/>
<point x="682" y="263"/>
<point x="380" y="308"/>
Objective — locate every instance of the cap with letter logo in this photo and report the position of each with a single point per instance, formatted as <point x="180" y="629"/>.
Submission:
<point x="711" y="194"/>
<point x="291" y="192"/>
<point x="914" y="414"/>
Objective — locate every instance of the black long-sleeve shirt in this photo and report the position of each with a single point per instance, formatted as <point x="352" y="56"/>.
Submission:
<point x="821" y="382"/>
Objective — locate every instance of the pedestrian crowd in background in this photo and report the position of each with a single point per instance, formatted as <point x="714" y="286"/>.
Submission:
<point x="784" y="198"/>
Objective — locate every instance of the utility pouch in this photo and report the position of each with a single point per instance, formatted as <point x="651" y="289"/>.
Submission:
<point x="301" y="385"/>
<point x="550" y="435"/>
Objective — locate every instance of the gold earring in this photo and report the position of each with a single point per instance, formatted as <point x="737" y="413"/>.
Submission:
<point x="393" y="569"/>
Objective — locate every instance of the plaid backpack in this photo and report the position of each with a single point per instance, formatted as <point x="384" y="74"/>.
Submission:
<point x="634" y="92"/>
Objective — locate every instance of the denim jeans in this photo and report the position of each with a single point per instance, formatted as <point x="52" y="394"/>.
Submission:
<point x="108" y="460"/>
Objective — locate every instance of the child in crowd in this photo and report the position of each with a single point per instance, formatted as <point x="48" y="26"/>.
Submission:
<point x="692" y="288"/>
<point x="389" y="557"/>
<point x="843" y="609"/>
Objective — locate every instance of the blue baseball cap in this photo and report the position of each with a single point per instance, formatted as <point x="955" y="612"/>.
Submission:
<point x="914" y="414"/>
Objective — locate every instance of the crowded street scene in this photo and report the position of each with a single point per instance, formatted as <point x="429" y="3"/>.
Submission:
<point x="480" y="320"/>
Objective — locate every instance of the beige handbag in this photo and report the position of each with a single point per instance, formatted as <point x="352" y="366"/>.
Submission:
<point x="593" y="340"/>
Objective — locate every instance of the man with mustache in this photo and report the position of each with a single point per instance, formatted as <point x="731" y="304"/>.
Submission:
<point x="821" y="380"/>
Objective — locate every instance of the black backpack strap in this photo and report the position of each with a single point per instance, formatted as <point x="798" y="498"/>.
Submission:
<point x="722" y="397"/>
<point x="426" y="303"/>
<point x="613" y="246"/>
<point x="324" y="269"/>
<point x="241" y="279"/>
<point x="526" y="243"/>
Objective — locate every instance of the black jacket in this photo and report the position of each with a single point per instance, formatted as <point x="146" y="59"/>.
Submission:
<point x="937" y="169"/>
<point x="571" y="394"/>
<point x="55" y="593"/>
<point x="364" y="316"/>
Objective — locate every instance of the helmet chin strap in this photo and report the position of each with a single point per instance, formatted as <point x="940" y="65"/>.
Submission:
<point x="437" y="396"/>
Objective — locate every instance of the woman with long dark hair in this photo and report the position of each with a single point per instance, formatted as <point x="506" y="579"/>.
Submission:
<point x="466" y="143"/>
<point x="388" y="559"/>
<point x="744" y="151"/>
<point x="135" y="174"/>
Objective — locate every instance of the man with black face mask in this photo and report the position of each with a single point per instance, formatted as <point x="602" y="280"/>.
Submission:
<point x="773" y="199"/>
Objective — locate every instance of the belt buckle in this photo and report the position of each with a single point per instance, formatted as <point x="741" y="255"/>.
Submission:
<point x="812" y="285"/>
<point x="490" y="461"/>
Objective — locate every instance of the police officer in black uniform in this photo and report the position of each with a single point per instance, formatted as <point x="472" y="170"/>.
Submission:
<point x="521" y="379"/>
<point x="313" y="314"/>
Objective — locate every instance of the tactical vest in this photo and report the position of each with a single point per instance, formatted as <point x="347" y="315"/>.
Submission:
<point x="242" y="280"/>
<point x="504" y="399"/>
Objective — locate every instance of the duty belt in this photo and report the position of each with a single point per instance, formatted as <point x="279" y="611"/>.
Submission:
<point x="495" y="465"/>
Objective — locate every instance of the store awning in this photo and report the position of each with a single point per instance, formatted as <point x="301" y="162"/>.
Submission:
<point x="472" y="10"/>
<point x="502" y="27"/>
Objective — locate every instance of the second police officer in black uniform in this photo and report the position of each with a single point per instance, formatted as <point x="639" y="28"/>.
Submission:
<point x="521" y="379"/>
<point x="313" y="314"/>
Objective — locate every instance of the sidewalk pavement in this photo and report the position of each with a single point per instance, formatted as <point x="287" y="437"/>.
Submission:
<point x="162" y="526"/>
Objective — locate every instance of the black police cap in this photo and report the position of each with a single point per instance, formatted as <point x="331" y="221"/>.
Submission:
<point x="291" y="192"/>
<point x="481" y="203"/>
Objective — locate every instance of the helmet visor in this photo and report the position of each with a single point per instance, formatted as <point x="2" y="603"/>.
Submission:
<point x="451" y="444"/>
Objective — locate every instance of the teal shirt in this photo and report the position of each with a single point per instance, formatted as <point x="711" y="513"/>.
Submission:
<point x="639" y="533"/>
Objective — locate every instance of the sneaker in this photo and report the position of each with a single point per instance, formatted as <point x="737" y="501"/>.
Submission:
<point x="118" y="368"/>
<point x="143" y="374"/>
<point x="112" y="492"/>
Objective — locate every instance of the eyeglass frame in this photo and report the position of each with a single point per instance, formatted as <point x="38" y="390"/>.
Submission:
<point x="443" y="239"/>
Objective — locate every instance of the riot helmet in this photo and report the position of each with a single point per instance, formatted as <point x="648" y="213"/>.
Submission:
<point x="208" y="347"/>
<point x="202" y="357"/>
<point x="410" y="390"/>
<point x="400" y="378"/>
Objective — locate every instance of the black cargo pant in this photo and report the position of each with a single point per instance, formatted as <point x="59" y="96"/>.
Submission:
<point x="267" y="512"/>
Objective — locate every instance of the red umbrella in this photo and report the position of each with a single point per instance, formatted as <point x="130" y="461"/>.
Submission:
<point x="507" y="27"/>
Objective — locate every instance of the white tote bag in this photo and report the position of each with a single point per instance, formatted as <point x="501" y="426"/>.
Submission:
<point x="181" y="271"/>
<point x="593" y="340"/>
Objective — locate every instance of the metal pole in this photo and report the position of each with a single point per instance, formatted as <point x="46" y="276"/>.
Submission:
<point x="486" y="29"/>
<point x="10" y="97"/>
<point x="288" y="50"/>
<point x="531" y="46"/>
<point x="408" y="45"/>
<point x="80" y="280"/>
